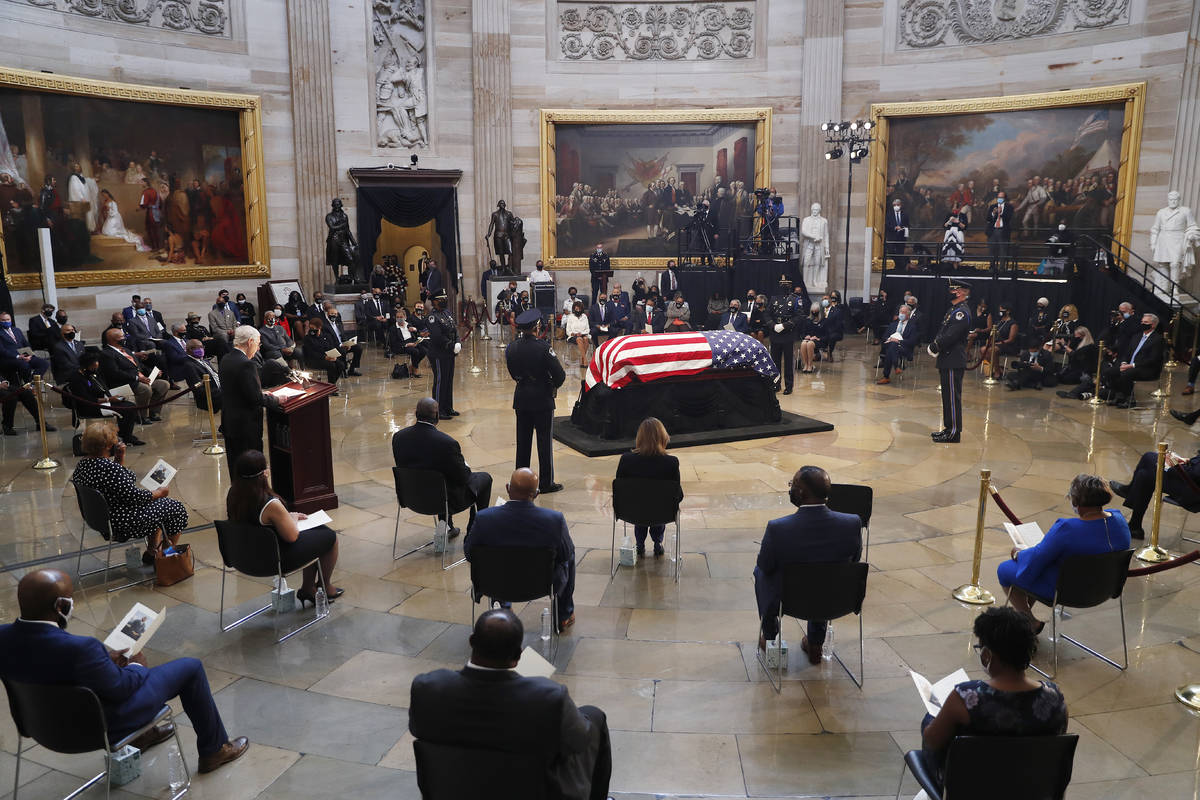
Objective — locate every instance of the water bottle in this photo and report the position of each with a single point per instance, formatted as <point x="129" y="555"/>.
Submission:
<point x="546" y="626"/>
<point x="322" y="602"/>
<point x="827" y="647"/>
<point x="176" y="772"/>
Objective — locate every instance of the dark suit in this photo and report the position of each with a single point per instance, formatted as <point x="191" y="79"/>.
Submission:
<point x="43" y="332"/>
<point x="119" y="367"/>
<point x="535" y="368"/>
<point x="737" y="319"/>
<point x="813" y="534"/>
<point x="17" y="392"/>
<point x="335" y="327"/>
<point x="242" y="415"/>
<point x="1181" y="483"/>
<point x="1027" y="374"/>
<point x="893" y="353"/>
<point x="397" y="343"/>
<point x="603" y="314"/>
<point x="893" y="240"/>
<point x="519" y="523"/>
<point x="11" y="342"/>
<point x="668" y="283"/>
<point x="176" y="358"/>
<point x="315" y="346"/>
<point x="41" y="653"/>
<point x="138" y="339"/>
<point x="367" y="310"/>
<point x="193" y="372"/>
<point x="64" y="359"/>
<point x="655" y="316"/>
<point x="1146" y="358"/>
<point x="423" y="446"/>
<point x="999" y="237"/>
<point x="501" y="710"/>
<point x="654" y="468"/>
<point x="94" y="390"/>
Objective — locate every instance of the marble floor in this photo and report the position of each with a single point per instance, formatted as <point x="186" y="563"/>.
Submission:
<point x="672" y="664"/>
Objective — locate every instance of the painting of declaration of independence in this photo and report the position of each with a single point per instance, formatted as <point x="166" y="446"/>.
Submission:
<point x="635" y="187"/>
<point x="1055" y="165"/>
<point x="121" y="185"/>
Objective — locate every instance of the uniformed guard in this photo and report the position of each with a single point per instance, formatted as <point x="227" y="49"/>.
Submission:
<point x="786" y="312"/>
<point x="535" y="368"/>
<point x="443" y="347"/>
<point x="950" y="348"/>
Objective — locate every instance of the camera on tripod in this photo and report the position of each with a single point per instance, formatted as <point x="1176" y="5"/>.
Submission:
<point x="762" y="193"/>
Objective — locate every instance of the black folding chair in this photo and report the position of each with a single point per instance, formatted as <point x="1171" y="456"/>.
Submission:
<point x="1086" y="582"/>
<point x="93" y="507"/>
<point x="441" y="774"/>
<point x="853" y="498"/>
<point x="997" y="768"/>
<point x="1190" y="509"/>
<point x="69" y="719"/>
<point x="513" y="575"/>
<point x="644" y="502"/>
<point x="423" y="491"/>
<point x="821" y="591"/>
<point x="253" y="550"/>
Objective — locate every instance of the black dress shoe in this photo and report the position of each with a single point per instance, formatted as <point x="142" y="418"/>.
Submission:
<point x="787" y="391"/>
<point x="452" y="413"/>
<point x="947" y="438"/>
<point x="133" y="441"/>
<point x="551" y="489"/>
<point x="9" y="432"/>
<point x="1065" y="393"/>
<point x="1136" y="532"/>
<point x="445" y="416"/>
<point x="50" y="428"/>
<point x="1187" y="419"/>
<point x="937" y="434"/>
<point x="1119" y="489"/>
<point x="156" y="417"/>
<point x="453" y="533"/>
<point x="354" y="373"/>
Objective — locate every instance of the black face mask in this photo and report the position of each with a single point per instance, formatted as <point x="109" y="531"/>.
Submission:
<point x="1146" y="326"/>
<point x="69" y="336"/>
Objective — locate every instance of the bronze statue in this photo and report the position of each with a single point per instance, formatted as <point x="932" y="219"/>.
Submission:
<point x="340" y="247"/>
<point x="500" y="229"/>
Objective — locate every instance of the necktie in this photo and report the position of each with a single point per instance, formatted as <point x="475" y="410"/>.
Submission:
<point x="1138" y="349"/>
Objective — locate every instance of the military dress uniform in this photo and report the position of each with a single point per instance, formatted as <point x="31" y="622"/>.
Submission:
<point x="785" y="311"/>
<point x="443" y="337"/>
<point x="950" y="348"/>
<point x="535" y="368"/>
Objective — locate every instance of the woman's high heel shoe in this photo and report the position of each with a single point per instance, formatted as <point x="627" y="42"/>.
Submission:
<point x="305" y="599"/>
<point x="331" y="596"/>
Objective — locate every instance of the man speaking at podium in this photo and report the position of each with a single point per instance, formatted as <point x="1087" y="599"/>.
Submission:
<point x="242" y="397"/>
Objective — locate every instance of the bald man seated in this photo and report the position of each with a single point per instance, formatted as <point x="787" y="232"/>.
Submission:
<point x="488" y="705"/>
<point x="519" y="523"/>
<point x="37" y="649"/>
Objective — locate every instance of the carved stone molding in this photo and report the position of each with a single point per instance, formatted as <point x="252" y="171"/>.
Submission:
<point x="210" y="17"/>
<point x="933" y="23"/>
<point x="704" y="30"/>
<point x="399" y="34"/>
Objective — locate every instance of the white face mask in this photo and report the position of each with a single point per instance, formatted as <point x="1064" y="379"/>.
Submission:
<point x="1062" y="227"/>
<point x="896" y="208"/>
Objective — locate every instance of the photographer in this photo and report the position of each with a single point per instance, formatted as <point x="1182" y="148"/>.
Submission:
<point x="1034" y="366"/>
<point x="769" y="210"/>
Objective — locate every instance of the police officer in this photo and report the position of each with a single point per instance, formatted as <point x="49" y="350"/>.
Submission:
<point x="443" y="347"/>
<point x="786" y="312"/>
<point x="950" y="348"/>
<point x="535" y="368"/>
<point x="600" y="266"/>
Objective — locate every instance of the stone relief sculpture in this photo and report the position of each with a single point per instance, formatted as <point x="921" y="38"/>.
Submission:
<point x="191" y="16"/>
<point x="401" y="104"/>
<point x="682" y="31"/>
<point x="930" y="23"/>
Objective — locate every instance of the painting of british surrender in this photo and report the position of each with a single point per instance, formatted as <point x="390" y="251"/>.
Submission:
<point x="128" y="190"/>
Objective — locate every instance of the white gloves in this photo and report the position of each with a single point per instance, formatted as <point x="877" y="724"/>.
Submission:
<point x="779" y="327"/>
<point x="457" y="348"/>
<point x="930" y="351"/>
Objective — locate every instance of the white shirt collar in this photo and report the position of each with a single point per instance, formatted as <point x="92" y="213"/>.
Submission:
<point x="473" y="665"/>
<point x="36" y="621"/>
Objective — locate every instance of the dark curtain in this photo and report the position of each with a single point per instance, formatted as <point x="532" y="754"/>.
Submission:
<point x="408" y="208"/>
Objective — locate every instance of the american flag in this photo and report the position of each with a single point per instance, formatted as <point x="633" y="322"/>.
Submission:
<point x="1096" y="122"/>
<point x="650" y="357"/>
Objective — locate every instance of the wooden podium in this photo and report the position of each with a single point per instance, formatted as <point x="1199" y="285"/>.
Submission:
<point x="299" y="446"/>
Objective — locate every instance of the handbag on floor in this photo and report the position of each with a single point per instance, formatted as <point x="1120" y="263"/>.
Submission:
<point x="399" y="371"/>
<point x="174" y="567"/>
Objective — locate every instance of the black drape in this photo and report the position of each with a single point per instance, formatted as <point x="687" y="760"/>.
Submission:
<point x="408" y="208"/>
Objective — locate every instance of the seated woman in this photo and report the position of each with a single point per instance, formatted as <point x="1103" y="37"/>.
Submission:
<point x="1006" y="704"/>
<point x="835" y="321"/>
<point x="578" y="330"/>
<point x="134" y="512"/>
<point x="251" y="500"/>
<point x="404" y="337"/>
<point x="1032" y="574"/>
<point x="649" y="461"/>
<point x="1008" y="341"/>
<point x="1081" y="356"/>
<point x="810" y="333"/>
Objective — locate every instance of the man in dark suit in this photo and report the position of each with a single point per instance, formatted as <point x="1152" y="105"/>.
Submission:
<point x="812" y="534"/>
<point x="37" y="649"/>
<point x="195" y="367"/>
<point x="121" y="368"/>
<point x="64" y="355"/>
<point x="156" y="316"/>
<point x="423" y="446"/>
<point x="318" y="343"/>
<point x="139" y="338"/>
<point x="519" y="523"/>
<point x="334" y="327"/>
<point x="1142" y="360"/>
<point x="895" y="233"/>
<point x="734" y="318"/>
<point x="1181" y="482"/>
<point x="999" y="230"/>
<point x="242" y="397"/>
<point x="12" y="341"/>
<point x="603" y="318"/>
<point x="489" y="705"/>
<point x="43" y="330"/>
<point x="643" y="314"/>
<point x="130" y="310"/>
<point x="668" y="280"/>
<point x="89" y="387"/>
<point x="375" y="313"/>
<point x="174" y="349"/>
<point x="898" y="343"/>
<point x="532" y="364"/>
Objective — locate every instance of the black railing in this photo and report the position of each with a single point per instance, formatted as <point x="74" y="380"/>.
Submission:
<point x="700" y="244"/>
<point x="925" y="252"/>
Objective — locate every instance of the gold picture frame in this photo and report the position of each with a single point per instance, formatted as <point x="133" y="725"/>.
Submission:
<point x="249" y="110"/>
<point x="550" y="118"/>
<point x="1132" y="95"/>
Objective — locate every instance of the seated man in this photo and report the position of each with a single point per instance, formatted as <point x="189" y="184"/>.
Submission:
<point x="37" y="649"/>
<point x="121" y="368"/>
<point x="12" y="360"/>
<point x="812" y="534"/>
<point x="214" y="346"/>
<point x="1032" y="368"/>
<point x="373" y="313"/>
<point x="1181" y="482"/>
<point x="679" y="315"/>
<point x="488" y="705"/>
<point x="195" y="368"/>
<point x="174" y="349"/>
<point x="276" y="344"/>
<point x="335" y="328"/>
<point x="1141" y="360"/>
<point x="319" y="347"/>
<point x="423" y="446"/>
<point x="734" y="319"/>
<point x="621" y="312"/>
<point x="602" y="317"/>
<point x="519" y="523"/>
<point x="64" y="355"/>
<point x="898" y="343"/>
<point x="13" y="391"/>
<point x="647" y="314"/>
<point x="88" y="391"/>
<point x="139" y="340"/>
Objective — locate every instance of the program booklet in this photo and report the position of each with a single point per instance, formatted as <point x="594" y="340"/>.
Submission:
<point x="123" y="392"/>
<point x="333" y="353"/>
<point x="533" y="665"/>
<point x="934" y="694"/>
<point x="154" y="373"/>
<point x="288" y="392"/>
<point x="1025" y="535"/>
<point x="135" y="629"/>
<point x="159" y="475"/>
<point x="314" y="519"/>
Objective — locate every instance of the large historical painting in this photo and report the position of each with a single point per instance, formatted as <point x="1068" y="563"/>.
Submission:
<point x="634" y="186"/>
<point x="399" y="35"/>
<point x="130" y="191"/>
<point x="1057" y="163"/>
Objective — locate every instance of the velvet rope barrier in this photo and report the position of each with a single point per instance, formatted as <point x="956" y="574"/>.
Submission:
<point x="94" y="404"/>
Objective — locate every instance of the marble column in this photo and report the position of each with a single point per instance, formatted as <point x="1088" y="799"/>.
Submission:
<point x="313" y="131"/>
<point x="821" y="101"/>
<point x="1185" y="166"/>
<point x="491" y="69"/>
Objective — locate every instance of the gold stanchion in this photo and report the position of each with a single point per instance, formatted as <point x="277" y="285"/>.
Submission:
<point x="1153" y="554"/>
<point x="1171" y="362"/>
<point x="1160" y="392"/>
<point x="990" y="380"/>
<point x="1096" y="401"/>
<point x="475" y="368"/>
<point x="972" y="592"/>
<point x="214" y="449"/>
<point x="1189" y="695"/>
<point x="45" y="462"/>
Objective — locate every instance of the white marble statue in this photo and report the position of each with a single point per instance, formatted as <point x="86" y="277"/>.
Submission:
<point x="1173" y="236"/>
<point x="814" y="231"/>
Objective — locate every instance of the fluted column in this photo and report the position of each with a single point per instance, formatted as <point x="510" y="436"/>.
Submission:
<point x="491" y="69"/>
<point x="1185" y="166"/>
<point x="821" y="101"/>
<point x="313" y="132"/>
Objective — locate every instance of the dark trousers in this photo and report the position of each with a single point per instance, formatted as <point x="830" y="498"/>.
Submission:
<point x="415" y="353"/>
<point x="125" y="419"/>
<point x="598" y="335"/>
<point x="443" y="381"/>
<point x="10" y="400"/>
<point x="479" y="487"/>
<point x="1193" y="370"/>
<point x="784" y="356"/>
<point x="893" y="356"/>
<point x="183" y="678"/>
<point x="600" y="749"/>
<point x="1121" y="383"/>
<point x="355" y="355"/>
<point x="895" y="251"/>
<point x="599" y="285"/>
<point x="952" y="400"/>
<point x="236" y="445"/>
<point x="656" y="534"/>
<point x="1141" y="487"/>
<point x="768" y="610"/>
<point x="998" y="252"/>
<point x="540" y="422"/>
<point x="1025" y="376"/>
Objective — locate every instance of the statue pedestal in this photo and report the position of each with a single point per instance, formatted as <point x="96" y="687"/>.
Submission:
<point x="346" y="288"/>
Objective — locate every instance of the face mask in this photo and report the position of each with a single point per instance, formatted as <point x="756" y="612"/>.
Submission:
<point x="197" y="352"/>
<point x="64" y="616"/>
<point x="224" y="299"/>
<point x="69" y="335"/>
<point x="6" y="324"/>
<point x="141" y="312"/>
<point x="48" y="313"/>
<point x="1062" y="227"/>
<point x="1146" y="326"/>
<point x="1126" y="314"/>
<point x="61" y="319"/>
<point x="904" y="317"/>
<point x="278" y="313"/>
<point x="824" y="304"/>
<point x="270" y="323"/>
<point x="895" y="208"/>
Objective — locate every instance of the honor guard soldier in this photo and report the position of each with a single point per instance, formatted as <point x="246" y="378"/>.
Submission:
<point x="443" y="347"/>
<point x="535" y="368"/>
<point x="950" y="348"/>
<point x="786" y="312"/>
